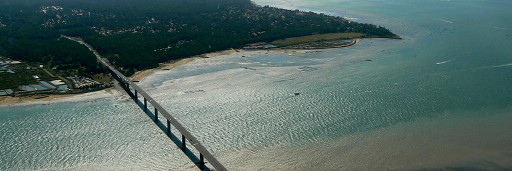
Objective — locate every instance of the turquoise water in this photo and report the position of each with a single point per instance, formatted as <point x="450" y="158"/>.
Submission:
<point x="439" y="98"/>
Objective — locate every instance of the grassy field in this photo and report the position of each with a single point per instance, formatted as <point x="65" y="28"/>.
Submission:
<point x="314" y="38"/>
<point x="102" y="78"/>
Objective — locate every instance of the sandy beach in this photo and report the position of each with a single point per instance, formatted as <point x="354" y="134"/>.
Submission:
<point x="140" y="75"/>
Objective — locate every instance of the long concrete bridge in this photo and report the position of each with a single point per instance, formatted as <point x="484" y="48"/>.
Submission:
<point x="156" y="112"/>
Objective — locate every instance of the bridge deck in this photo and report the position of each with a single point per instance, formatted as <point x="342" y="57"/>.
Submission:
<point x="186" y="135"/>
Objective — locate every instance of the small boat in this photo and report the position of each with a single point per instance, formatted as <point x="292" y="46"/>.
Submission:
<point x="296" y="93"/>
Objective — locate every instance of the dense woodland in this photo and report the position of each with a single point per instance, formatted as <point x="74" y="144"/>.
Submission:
<point x="139" y="34"/>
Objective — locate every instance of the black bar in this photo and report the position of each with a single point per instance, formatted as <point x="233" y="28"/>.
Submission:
<point x="183" y="142"/>
<point x="168" y="127"/>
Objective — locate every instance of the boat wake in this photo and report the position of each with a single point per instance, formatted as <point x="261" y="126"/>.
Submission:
<point x="504" y="65"/>
<point x="443" y="62"/>
<point x="446" y="21"/>
<point x="498" y="66"/>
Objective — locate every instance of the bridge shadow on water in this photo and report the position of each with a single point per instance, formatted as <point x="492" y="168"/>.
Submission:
<point x="167" y="129"/>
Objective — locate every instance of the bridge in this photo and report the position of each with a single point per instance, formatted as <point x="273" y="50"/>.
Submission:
<point x="154" y="110"/>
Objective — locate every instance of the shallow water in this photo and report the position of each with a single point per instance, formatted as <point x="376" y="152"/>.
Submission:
<point x="439" y="98"/>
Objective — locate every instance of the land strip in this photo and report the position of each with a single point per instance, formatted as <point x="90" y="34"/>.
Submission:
<point x="316" y="38"/>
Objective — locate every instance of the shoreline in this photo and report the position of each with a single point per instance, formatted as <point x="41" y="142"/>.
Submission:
<point x="8" y="101"/>
<point x="139" y="76"/>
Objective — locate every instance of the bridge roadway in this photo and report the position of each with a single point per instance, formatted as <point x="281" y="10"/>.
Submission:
<point x="128" y="85"/>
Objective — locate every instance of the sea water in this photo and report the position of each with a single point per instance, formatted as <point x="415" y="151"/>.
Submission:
<point x="438" y="98"/>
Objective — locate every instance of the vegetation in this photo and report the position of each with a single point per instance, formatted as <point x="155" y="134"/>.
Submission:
<point x="102" y="78"/>
<point x="139" y="34"/>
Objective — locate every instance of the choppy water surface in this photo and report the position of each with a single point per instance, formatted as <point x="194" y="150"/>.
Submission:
<point x="439" y="98"/>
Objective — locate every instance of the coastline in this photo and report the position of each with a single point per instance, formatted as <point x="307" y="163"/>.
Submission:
<point x="140" y="75"/>
<point x="7" y="101"/>
<point x="137" y="77"/>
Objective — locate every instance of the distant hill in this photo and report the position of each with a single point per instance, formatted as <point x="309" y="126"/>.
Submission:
<point x="139" y="34"/>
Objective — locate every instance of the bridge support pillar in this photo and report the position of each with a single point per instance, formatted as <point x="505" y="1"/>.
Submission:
<point x="201" y="161"/>
<point x="156" y="115"/>
<point x="168" y="127"/>
<point x="145" y="104"/>
<point x="183" y="142"/>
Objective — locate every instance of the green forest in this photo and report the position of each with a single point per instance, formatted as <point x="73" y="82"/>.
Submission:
<point x="139" y="34"/>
